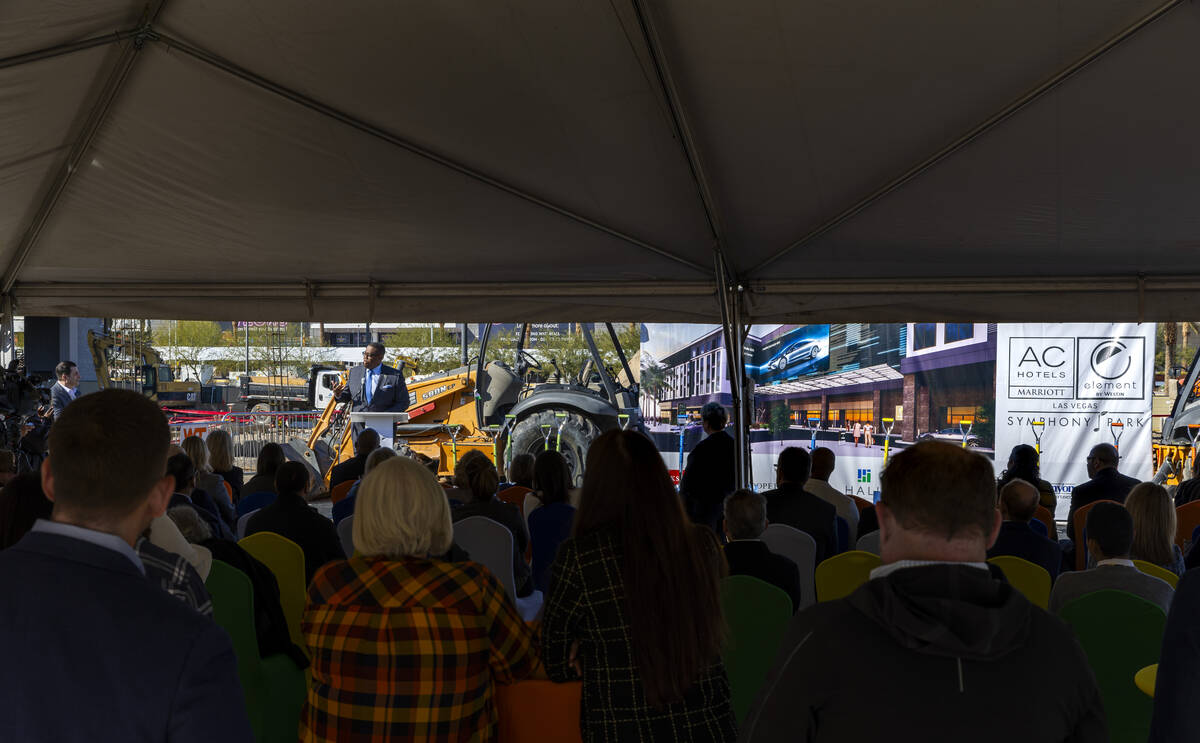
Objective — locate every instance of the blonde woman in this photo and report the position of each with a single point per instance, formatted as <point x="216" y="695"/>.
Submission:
<point x="1153" y="514"/>
<point x="217" y="501"/>
<point x="220" y="460"/>
<point x="406" y="646"/>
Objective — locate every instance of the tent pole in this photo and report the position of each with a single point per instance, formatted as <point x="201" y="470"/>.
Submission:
<point x="731" y="318"/>
<point x="8" y="346"/>
<point x="76" y="46"/>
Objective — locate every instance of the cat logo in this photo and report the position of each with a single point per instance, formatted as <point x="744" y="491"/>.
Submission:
<point x="435" y="391"/>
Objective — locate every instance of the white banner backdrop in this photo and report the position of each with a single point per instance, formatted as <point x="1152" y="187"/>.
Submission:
<point x="1086" y="384"/>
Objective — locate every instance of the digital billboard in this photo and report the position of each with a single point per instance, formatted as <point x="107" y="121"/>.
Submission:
<point x="801" y="351"/>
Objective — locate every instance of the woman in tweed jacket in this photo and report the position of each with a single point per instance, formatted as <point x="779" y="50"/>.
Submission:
<point x="634" y="606"/>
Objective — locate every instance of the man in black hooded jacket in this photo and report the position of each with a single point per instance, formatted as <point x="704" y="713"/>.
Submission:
<point x="925" y="648"/>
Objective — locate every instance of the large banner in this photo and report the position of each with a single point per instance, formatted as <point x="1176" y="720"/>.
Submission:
<point x="1075" y="385"/>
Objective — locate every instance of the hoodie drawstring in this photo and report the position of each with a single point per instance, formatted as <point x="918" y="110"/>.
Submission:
<point x="960" y="684"/>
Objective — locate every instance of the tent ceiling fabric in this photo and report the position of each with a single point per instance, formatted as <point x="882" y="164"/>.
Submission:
<point x="205" y="194"/>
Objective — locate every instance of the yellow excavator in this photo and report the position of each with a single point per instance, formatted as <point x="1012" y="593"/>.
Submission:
<point x="126" y="363"/>
<point x="1176" y="447"/>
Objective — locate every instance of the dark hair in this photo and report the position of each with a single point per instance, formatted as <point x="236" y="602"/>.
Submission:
<point x="367" y="441"/>
<point x="107" y="451"/>
<point x="795" y="465"/>
<point x="552" y="477"/>
<point x="476" y="473"/>
<point x="1112" y="528"/>
<point x="22" y="502"/>
<point x="1017" y="506"/>
<point x="181" y="468"/>
<point x="745" y="514"/>
<point x="1022" y="465"/>
<point x="377" y="346"/>
<point x="823" y="463"/>
<point x="291" y="478"/>
<point x="63" y="368"/>
<point x="713" y="413"/>
<point x="671" y="592"/>
<point x="941" y="489"/>
<point x="520" y="470"/>
<point x="270" y="458"/>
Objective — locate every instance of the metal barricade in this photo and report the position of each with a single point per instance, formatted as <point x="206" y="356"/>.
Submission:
<point x="249" y="431"/>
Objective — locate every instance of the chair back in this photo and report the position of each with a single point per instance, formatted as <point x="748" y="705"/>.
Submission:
<point x="1044" y="516"/>
<point x="1120" y="633"/>
<point x="285" y="558"/>
<point x="842" y="574"/>
<point x="842" y="529"/>
<point x="535" y="711"/>
<point x="869" y="543"/>
<point x="1187" y="520"/>
<point x="514" y="495"/>
<point x="757" y="614"/>
<point x="1033" y="581"/>
<point x="233" y="610"/>
<point x="1157" y="571"/>
<point x="1077" y="533"/>
<point x="341" y="490"/>
<point x="490" y="544"/>
<point x="228" y="489"/>
<point x="345" y="530"/>
<point x="254" y="501"/>
<point x="862" y="503"/>
<point x="801" y="549"/>
<point x="243" y="520"/>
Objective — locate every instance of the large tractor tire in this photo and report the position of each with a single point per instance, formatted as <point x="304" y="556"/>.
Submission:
<point x="528" y="437"/>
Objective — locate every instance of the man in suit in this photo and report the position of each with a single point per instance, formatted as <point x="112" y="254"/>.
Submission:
<point x="747" y="554"/>
<point x="93" y="649"/>
<point x="373" y="386"/>
<point x="789" y="503"/>
<point x="352" y="469"/>
<point x="66" y="389"/>
<point x="823" y="462"/>
<point x="1106" y="483"/>
<point x="709" y="475"/>
<point x="1018" y="504"/>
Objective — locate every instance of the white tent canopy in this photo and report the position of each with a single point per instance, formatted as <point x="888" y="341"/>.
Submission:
<point x="372" y="159"/>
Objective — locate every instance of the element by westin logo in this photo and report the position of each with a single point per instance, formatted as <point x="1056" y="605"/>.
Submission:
<point x="864" y="475"/>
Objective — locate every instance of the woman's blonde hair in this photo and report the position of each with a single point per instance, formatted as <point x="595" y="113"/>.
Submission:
<point x="401" y="511"/>
<point x="1153" y="515"/>
<point x="220" y="450"/>
<point x="194" y="447"/>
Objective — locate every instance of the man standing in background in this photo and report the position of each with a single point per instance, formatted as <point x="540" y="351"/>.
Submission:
<point x="66" y="389"/>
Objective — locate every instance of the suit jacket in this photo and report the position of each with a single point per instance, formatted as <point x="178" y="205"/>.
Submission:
<point x="95" y="651"/>
<point x="1108" y="484"/>
<point x="1018" y="540"/>
<point x="351" y="469"/>
<point x="751" y="557"/>
<point x="791" y="504"/>
<point x="290" y="516"/>
<point x="391" y="394"/>
<point x="709" y="477"/>
<point x="60" y="397"/>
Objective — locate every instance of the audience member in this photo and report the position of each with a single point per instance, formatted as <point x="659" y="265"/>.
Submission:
<point x="215" y="496"/>
<point x="290" y="516"/>
<point x="1023" y="465"/>
<point x="549" y="523"/>
<point x="1153" y="514"/>
<point x="187" y="494"/>
<point x="354" y="467"/>
<point x="790" y="504"/>
<point x="823" y="461"/>
<point x="747" y="554"/>
<point x="407" y="647"/>
<point x="1018" y="504"/>
<point x="1106" y="482"/>
<point x="94" y="650"/>
<point x="634" y="606"/>
<point x="22" y="503"/>
<point x="1189" y="490"/>
<point x="165" y="535"/>
<point x="709" y="475"/>
<point x="270" y="459"/>
<point x="220" y="458"/>
<point x="8" y="466"/>
<point x="1177" y="687"/>
<point x="476" y="474"/>
<point x="1109" y="538"/>
<point x="173" y="573"/>
<point x="345" y="507"/>
<point x="520" y="473"/>
<point x="66" y="389"/>
<point x="935" y="625"/>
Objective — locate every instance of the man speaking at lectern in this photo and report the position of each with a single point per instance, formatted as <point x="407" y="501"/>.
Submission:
<point x="373" y="386"/>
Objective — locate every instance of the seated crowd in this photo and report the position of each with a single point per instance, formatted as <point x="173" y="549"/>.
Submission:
<point x="409" y="636"/>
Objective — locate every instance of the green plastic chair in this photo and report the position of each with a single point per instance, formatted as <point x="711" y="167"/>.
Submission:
<point x="841" y="575"/>
<point x="1033" y="581"/>
<point x="757" y="614"/>
<point x="285" y="558"/>
<point x="1157" y="571"/>
<point x="274" y="687"/>
<point x="1121" y="634"/>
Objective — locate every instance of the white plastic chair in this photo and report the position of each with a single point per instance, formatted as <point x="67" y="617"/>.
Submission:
<point x="243" y="520"/>
<point x="345" y="530"/>
<point x="491" y="544"/>
<point x="869" y="543"/>
<point x="801" y="549"/>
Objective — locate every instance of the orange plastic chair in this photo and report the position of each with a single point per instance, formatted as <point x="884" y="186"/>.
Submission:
<point x="862" y="503"/>
<point x="514" y="495"/>
<point x="1077" y="529"/>
<point x="340" y="490"/>
<point x="1187" y="518"/>
<point x="1043" y="514"/>
<point x="228" y="490"/>
<point x="536" y="711"/>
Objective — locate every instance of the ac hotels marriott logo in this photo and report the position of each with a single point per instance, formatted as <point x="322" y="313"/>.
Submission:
<point x="1077" y="368"/>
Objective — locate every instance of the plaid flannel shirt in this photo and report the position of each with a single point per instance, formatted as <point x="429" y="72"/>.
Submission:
<point x="409" y="650"/>
<point x="175" y="574"/>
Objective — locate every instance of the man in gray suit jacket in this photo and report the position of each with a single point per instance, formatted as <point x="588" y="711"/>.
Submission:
<point x="66" y="389"/>
<point x="373" y="386"/>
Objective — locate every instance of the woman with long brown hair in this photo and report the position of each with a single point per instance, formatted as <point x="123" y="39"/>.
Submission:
<point x="634" y="606"/>
<point x="1153" y="514"/>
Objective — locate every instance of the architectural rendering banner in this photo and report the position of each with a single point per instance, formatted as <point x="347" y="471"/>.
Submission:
<point x="1066" y="387"/>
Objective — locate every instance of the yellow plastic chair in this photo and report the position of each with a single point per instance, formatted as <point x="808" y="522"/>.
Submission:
<point x="1031" y="580"/>
<point x="285" y="558"/>
<point x="1150" y="568"/>
<point x="841" y="575"/>
<point x="1146" y="679"/>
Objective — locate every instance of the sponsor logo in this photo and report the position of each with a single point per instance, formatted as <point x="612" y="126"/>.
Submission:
<point x="1111" y="359"/>
<point x="864" y="475"/>
<point x="1114" y="369"/>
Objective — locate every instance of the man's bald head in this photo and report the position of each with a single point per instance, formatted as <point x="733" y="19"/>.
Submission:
<point x="823" y="460"/>
<point x="1018" y="501"/>
<point x="1102" y="456"/>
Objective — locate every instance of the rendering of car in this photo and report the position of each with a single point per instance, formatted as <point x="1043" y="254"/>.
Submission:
<point x="951" y="435"/>
<point x="804" y="350"/>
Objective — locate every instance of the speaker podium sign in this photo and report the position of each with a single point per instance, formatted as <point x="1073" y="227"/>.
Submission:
<point x="1075" y="385"/>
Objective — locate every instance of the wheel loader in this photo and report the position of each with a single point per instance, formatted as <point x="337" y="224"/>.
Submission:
<point x="498" y="409"/>
<point x="1175" y="451"/>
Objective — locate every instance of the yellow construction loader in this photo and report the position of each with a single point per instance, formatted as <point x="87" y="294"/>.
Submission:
<point x="126" y="363"/>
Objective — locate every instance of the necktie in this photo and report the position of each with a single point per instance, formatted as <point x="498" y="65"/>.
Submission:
<point x="370" y="387"/>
